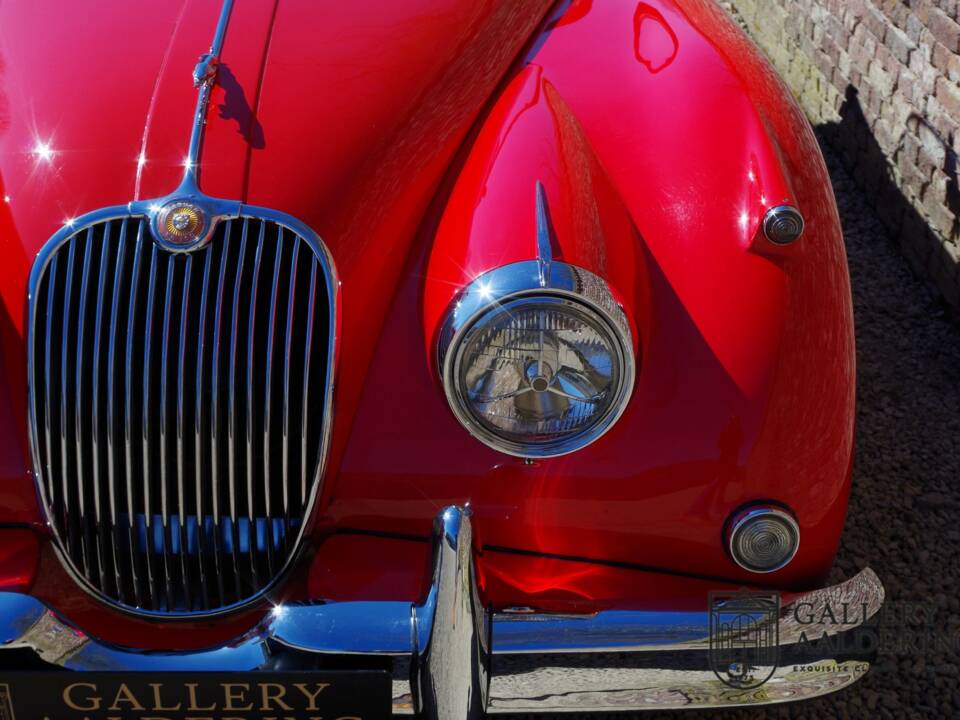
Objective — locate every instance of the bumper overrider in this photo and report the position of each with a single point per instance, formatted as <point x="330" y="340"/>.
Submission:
<point x="454" y="659"/>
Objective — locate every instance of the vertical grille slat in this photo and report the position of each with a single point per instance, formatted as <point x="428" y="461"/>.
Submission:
<point x="147" y="427"/>
<point x="251" y="330"/>
<point x="79" y="446"/>
<point x="129" y="412"/>
<point x="307" y="349"/>
<point x="179" y="519"/>
<point x="164" y="424"/>
<point x="287" y="359"/>
<point x="215" y="433"/>
<point x="112" y="441"/>
<point x="48" y="382"/>
<point x="165" y="457"/>
<point x="199" y="444"/>
<point x="65" y="396"/>
<point x="96" y="364"/>
<point x="232" y="398"/>
<point x="268" y="394"/>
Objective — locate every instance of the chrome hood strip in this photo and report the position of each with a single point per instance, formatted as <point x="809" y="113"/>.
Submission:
<point x="204" y="78"/>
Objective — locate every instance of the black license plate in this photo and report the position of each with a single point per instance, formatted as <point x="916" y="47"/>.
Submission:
<point x="346" y="695"/>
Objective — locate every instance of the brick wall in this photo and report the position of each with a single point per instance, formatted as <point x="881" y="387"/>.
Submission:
<point x="879" y="81"/>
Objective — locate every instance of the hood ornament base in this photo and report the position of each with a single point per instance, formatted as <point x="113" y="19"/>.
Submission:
<point x="185" y="219"/>
<point x="205" y="73"/>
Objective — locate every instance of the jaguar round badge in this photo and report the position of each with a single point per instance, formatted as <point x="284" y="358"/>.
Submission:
<point x="181" y="225"/>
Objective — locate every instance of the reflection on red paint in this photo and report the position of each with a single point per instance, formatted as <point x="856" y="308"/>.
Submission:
<point x="654" y="41"/>
<point x="576" y="10"/>
<point x="570" y="586"/>
<point x="19" y="552"/>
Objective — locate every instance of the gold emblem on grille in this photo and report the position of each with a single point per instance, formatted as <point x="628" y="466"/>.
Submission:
<point x="181" y="223"/>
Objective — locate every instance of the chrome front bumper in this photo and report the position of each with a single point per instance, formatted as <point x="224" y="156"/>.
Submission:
<point x="454" y="660"/>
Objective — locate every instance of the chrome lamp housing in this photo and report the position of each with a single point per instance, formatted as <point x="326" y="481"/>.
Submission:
<point x="537" y="358"/>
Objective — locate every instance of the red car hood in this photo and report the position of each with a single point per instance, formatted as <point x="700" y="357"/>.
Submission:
<point x="656" y="121"/>
<point x="344" y="118"/>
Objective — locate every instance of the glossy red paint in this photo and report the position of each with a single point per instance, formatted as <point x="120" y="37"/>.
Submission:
<point x="745" y="389"/>
<point x="349" y="566"/>
<point x="532" y="136"/>
<point x="410" y="137"/>
<point x="19" y="553"/>
<point x="557" y="585"/>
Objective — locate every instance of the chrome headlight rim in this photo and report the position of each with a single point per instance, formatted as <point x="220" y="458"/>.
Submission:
<point x="497" y="288"/>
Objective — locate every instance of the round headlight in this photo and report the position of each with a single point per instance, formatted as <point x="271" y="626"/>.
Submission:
<point x="763" y="539"/>
<point x="540" y="373"/>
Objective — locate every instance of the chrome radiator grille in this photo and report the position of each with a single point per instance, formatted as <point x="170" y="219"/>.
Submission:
<point x="179" y="408"/>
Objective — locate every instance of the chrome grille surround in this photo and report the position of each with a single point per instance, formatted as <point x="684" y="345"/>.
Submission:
<point x="117" y="422"/>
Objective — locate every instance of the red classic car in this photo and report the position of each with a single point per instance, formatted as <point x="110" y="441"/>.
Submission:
<point x="445" y="357"/>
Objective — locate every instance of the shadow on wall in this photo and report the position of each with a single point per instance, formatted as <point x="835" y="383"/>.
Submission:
<point x="949" y="169"/>
<point x="853" y="140"/>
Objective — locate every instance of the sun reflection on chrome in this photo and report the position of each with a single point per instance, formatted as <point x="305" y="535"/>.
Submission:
<point x="486" y="290"/>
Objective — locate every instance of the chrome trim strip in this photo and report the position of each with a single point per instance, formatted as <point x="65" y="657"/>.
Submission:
<point x="48" y="377"/>
<point x="198" y="424"/>
<point x="268" y="396"/>
<point x="139" y="212"/>
<point x="164" y="422"/>
<point x="145" y="430"/>
<point x="251" y="325"/>
<point x="128" y="421"/>
<point x="308" y="344"/>
<point x="112" y="441"/>
<point x="544" y="237"/>
<point x="95" y="371"/>
<point x="181" y="402"/>
<point x="611" y="661"/>
<point x="232" y="408"/>
<point x="204" y="76"/>
<point x="81" y="482"/>
<point x="288" y="338"/>
<point x="64" y="463"/>
<point x="214" y="408"/>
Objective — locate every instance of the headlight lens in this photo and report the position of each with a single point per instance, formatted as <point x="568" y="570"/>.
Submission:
<point x="539" y="374"/>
